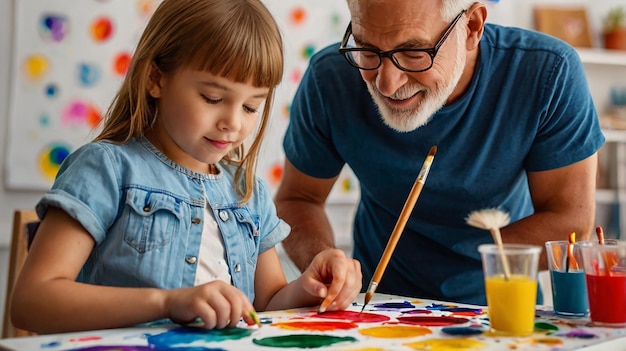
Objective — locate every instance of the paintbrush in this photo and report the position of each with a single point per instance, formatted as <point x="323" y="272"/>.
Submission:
<point x="397" y="230"/>
<point x="569" y="258"/>
<point x="492" y="219"/>
<point x="600" y="235"/>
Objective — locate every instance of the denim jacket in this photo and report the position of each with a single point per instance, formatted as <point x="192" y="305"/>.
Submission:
<point x="145" y="214"/>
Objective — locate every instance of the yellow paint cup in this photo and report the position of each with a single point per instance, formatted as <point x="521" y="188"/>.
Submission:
<point x="511" y="295"/>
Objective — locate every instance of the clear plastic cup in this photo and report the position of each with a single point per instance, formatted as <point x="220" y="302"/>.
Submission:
<point x="511" y="287"/>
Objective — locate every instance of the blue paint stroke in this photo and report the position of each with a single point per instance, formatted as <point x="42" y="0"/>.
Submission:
<point x="394" y="305"/>
<point x="50" y="345"/>
<point x="463" y="330"/>
<point x="447" y="308"/>
<point x="266" y="320"/>
<point x="579" y="334"/>
<point x="188" y="335"/>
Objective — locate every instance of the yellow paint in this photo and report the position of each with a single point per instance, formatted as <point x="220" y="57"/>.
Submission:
<point x="550" y="342"/>
<point x="395" y="331"/>
<point x="447" y="345"/>
<point x="36" y="67"/>
<point x="511" y="304"/>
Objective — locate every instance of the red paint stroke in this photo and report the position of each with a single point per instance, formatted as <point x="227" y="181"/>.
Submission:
<point x="86" y="338"/>
<point x="418" y="312"/>
<point x="466" y="314"/>
<point x="432" y="321"/>
<point x="317" y="325"/>
<point x="353" y="316"/>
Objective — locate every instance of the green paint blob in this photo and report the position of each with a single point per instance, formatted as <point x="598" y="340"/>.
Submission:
<point x="303" y="341"/>
<point x="542" y="326"/>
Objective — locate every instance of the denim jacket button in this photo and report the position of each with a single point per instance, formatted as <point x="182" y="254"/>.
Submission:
<point x="224" y="216"/>
<point x="191" y="260"/>
<point x="196" y="220"/>
<point x="146" y="209"/>
<point x="237" y="267"/>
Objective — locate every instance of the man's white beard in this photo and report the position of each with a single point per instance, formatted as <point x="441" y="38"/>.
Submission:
<point x="404" y="120"/>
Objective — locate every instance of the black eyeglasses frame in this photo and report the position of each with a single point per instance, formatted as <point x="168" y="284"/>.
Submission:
<point x="432" y="52"/>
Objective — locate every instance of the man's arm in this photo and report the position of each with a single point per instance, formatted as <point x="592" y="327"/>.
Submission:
<point x="300" y="201"/>
<point x="564" y="201"/>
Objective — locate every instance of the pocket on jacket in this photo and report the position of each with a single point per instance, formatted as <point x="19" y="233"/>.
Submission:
<point x="249" y="225"/>
<point x="152" y="219"/>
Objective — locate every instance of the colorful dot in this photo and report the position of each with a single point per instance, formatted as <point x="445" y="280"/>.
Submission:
<point x="307" y="51"/>
<point x="298" y="15"/>
<point x="101" y="29"/>
<point x="296" y="75"/>
<point x="53" y="27"/>
<point x="51" y="90"/>
<point x="50" y="159"/>
<point x="88" y="74"/>
<point x="36" y="67"/>
<point x="121" y="63"/>
<point x="79" y="112"/>
<point x="146" y="7"/>
<point x="275" y="174"/>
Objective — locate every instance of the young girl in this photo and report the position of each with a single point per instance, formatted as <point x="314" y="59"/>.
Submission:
<point x="161" y="215"/>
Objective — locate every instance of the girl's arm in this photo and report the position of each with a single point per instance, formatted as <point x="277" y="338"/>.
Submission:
<point x="331" y="281"/>
<point x="47" y="299"/>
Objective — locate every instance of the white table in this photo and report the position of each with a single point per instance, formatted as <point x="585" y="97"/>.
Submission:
<point x="606" y="338"/>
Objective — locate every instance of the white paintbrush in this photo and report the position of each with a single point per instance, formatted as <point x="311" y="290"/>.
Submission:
<point x="492" y="219"/>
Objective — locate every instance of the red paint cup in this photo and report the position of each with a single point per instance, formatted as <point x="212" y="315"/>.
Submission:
<point x="605" y="272"/>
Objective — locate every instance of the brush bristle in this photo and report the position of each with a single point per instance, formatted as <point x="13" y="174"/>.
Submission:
<point x="490" y="218"/>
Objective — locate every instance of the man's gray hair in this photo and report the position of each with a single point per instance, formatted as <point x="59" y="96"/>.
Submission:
<point x="449" y="8"/>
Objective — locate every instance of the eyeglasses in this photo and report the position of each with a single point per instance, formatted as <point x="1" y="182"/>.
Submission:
<point x="410" y="60"/>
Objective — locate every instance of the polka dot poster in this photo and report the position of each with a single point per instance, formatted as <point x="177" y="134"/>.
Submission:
<point x="307" y="26"/>
<point x="70" y="56"/>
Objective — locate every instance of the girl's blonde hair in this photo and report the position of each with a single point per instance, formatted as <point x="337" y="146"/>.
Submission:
<point x="234" y="39"/>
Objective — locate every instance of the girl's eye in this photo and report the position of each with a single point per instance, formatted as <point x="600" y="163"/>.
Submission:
<point x="249" y="109"/>
<point x="211" y="101"/>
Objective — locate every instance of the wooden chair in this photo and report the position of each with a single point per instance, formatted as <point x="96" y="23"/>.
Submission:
<point x="24" y="225"/>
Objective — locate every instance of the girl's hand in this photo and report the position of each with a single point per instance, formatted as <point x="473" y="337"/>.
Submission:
<point x="217" y="304"/>
<point x="333" y="277"/>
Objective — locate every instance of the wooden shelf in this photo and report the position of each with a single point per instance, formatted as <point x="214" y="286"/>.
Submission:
<point x="602" y="56"/>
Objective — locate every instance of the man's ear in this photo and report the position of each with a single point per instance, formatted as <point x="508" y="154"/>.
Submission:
<point x="476" y="17"/>
<point x="154" y="81"/>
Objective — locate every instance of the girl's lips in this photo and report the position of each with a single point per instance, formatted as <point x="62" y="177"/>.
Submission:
<point x="219" y="144"/>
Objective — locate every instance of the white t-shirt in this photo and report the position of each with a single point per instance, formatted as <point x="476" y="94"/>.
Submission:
<point x="212" y="263"/>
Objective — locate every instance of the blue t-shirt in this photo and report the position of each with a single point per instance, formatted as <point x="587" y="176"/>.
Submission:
<point x="527" y="108"/>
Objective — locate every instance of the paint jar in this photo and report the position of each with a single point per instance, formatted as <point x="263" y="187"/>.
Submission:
<point x="511" y="287"/>
<point x="569" y="289"/>
<point x="605" y="272"/>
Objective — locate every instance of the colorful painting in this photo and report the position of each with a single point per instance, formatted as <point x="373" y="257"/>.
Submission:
<point x="70" y="56"/>
<point x="389" y="323"/>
